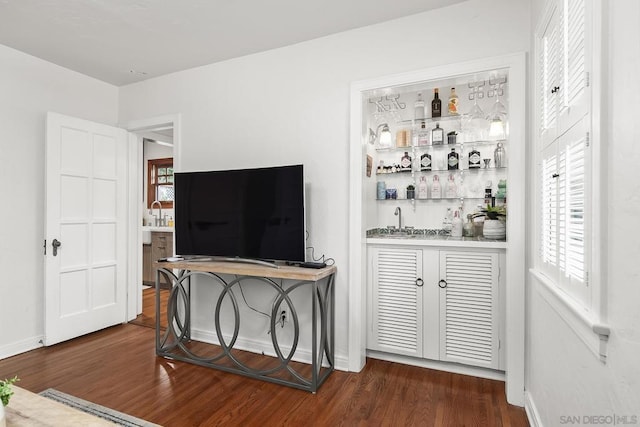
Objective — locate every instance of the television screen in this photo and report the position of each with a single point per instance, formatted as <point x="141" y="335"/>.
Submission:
<point x="245" y="213"/>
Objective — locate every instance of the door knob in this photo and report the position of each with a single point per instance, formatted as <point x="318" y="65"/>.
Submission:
<point x="419" y="282"/>
<point x="442" y="284"/>
<point x="55" y="244"/>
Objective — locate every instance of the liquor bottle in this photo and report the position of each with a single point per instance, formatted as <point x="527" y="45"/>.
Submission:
<point x="422" y="135"/>
<point x="453" y="102"/>
<point x="425" y="162"/>
<point x="405" y="162"/>
<point x="418" y="108"/>
<point x="453" y="159"/>
<point x="437" y="135"/>
<point x="422" y="188"/>
<point x="456" y="225"/>
<point x="447" y="221"/>
<point x="474" y="159"/>
<point x="436" y="191"/>
<point x="487" y="194"/>
<point x="452" y="188"/>
<point x="436" y="104"/>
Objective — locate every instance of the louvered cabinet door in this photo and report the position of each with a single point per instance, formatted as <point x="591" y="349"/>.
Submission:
<point x="469" y="308"/>
<point x="397" y="301"/>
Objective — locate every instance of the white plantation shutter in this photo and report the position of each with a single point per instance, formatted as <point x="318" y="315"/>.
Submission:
<point x="549" y="209"/>
<point x="564" y="233"/>
<point x="575" y="244"/>
<point x="562" y="54"/>
<point x="562" y="208"/>
<point x="574" y="47"/>
<point x="549" y="74"/>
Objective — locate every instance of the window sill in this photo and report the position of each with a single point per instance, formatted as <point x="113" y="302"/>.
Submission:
<point x="585" y="324"/>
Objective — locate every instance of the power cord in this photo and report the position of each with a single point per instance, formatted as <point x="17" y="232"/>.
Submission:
<point x="282" y="316"/>
<point x="321" y="258"/>
<point x="327" y="261"/>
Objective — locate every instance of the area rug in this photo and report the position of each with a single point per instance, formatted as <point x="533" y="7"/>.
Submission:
<point x="97" y="410"/>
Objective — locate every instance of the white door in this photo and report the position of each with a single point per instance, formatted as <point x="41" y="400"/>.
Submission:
<point x="469" y="308"/>
<point x="86" y="214"/>
<point x="397" y="301"/>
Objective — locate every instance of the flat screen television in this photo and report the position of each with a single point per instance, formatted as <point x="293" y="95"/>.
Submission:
<point x="244" y="214"/>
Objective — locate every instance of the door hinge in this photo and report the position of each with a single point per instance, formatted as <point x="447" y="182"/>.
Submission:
<point x="499" y="344"/>
<point x="586" y="278"/>
<point x="45" y="246"/>
<point x="586" y="79"/>
<point x="587" y="140"/>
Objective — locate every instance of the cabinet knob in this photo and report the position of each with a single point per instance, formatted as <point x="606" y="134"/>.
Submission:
<point x="419" y="282"/>
<point x="442" y="283"/>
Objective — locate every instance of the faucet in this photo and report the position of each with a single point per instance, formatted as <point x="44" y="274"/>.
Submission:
<point x="398" y="212"/>
<point x="159" y="220"/>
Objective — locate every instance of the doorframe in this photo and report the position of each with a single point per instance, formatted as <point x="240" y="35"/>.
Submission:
<point x="135" y="193"/>
<point x="516" y="226"/>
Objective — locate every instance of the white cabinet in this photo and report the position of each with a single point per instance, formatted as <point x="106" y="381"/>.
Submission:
<point x="396" y="310"/>
<point x="435" y="304"/>
<point x="469" y="295"/>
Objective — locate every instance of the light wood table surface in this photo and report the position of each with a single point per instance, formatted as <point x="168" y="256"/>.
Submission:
<point x="29" y="409"/>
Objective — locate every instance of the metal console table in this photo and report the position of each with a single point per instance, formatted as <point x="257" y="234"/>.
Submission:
<point x="176" y="343"/>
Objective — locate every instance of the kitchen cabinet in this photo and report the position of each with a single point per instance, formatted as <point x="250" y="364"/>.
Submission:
<point x="147" y="266"/>
<point x="434" y="303"/>
<point x="469" y="308"/>
<point x="161" y="247"/>
<point x="396" y="311"/>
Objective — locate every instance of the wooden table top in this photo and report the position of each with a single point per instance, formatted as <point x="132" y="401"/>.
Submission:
<point x="245" y="269"/>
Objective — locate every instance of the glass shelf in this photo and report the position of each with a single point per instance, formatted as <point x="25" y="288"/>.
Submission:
<point x="479" y="143"/>
<point x="460" y="198"/>
<point x="408" y="172"/>
<point x="432" y="119"/>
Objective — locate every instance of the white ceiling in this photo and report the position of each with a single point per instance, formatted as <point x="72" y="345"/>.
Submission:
<point x="126" y="41"/>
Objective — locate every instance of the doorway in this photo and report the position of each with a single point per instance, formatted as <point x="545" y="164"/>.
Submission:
<point x="152" y="139"/>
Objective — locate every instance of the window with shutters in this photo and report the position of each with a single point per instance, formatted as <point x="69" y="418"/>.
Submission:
<point x="564" y="172"/>
<point x="566" y="150"/>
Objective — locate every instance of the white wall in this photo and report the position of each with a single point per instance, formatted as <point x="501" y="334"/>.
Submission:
<point x="564" y="378"/>
<point x="291" y="105"/>
<point x="30" y="87"/>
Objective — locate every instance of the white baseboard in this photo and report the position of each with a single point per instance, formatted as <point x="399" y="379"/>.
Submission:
<point x="532" y="412"/>
<point x="266" y="347"/>
<point x="22" y="346"/>
<point x="455" y="368"/>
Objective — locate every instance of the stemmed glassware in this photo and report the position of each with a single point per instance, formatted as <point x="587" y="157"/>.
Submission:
<point x="497" y="116"/>
<point x="475" y="118"/>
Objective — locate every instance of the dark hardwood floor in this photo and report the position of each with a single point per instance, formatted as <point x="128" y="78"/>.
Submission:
<point x="148" y="315"/>
<point x="117" y="367"/>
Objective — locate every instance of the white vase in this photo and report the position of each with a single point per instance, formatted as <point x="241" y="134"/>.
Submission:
<point x="3" y="420"/>
<point x="494" y="229"/>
